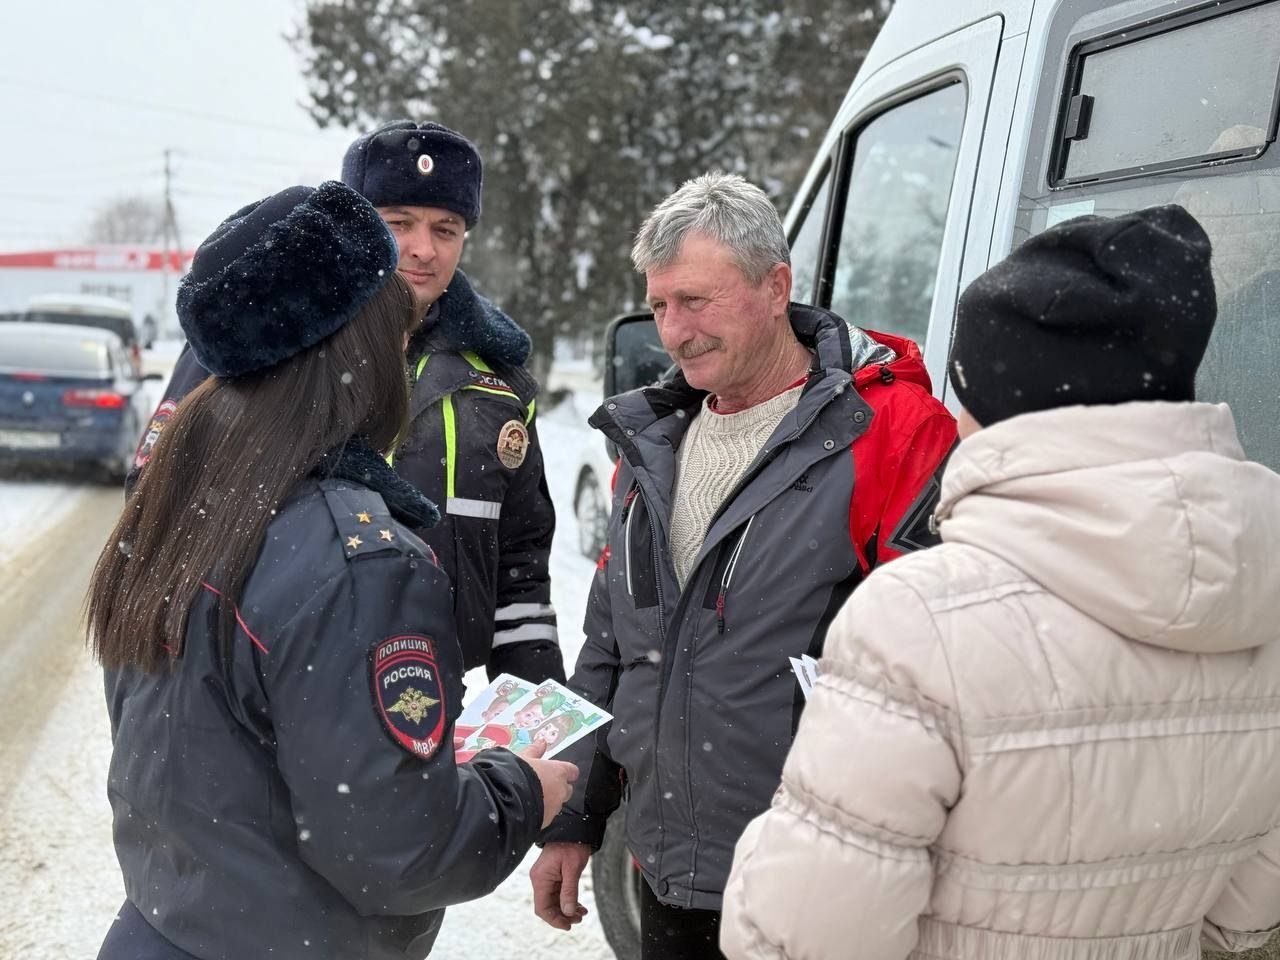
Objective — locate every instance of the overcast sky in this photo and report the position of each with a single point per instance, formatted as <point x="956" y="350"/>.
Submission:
<point x="93" y="92"/>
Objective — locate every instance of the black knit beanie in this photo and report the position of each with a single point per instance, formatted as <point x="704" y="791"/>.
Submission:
<point x="1091" y="311"/>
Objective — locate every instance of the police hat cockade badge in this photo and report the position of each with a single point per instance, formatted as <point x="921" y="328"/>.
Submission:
<point x="408" y="693"/>
<point x="513" y="444"/>
<point x="426" y="164"/>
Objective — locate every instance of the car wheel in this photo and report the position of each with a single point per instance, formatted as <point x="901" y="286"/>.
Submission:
<point x="116" y="470"/>
<point x="615" y="881"/>
<point x="593" y="515"/>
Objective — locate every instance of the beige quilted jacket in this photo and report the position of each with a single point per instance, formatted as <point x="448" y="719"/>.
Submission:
<point x="1057" y="735"/>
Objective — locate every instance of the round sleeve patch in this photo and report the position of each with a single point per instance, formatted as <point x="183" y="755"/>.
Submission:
<point x="408" y="693"/>
<point x="158" y="420"/>
<point x="513" y="444"/>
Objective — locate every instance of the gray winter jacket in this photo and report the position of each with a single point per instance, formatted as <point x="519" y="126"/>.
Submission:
<point x="705" y="704"/>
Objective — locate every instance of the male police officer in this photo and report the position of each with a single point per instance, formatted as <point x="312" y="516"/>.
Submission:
<point x="472" y="445"/>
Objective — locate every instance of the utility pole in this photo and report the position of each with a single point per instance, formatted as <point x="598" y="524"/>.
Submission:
<point x="170" y="230"/>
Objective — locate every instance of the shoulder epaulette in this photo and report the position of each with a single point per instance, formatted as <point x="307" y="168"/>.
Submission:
<point x="364" y="524"/>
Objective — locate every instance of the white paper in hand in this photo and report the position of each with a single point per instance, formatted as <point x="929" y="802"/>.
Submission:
<point x="552" y="714"/>
<point x="806" y="671"/>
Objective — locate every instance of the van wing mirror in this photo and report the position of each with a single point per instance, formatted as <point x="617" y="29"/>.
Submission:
<point x="633" y="357"/>
<point x="633" y="354"/>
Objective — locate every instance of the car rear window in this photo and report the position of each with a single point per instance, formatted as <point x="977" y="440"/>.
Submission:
<point x="22" y="351"/>
<point x="120" y="326"/>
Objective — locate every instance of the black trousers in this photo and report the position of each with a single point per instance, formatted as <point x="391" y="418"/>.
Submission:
<point x="674" y="933"/>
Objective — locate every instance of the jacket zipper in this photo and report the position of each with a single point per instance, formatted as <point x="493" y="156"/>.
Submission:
<point x="657" y="579"/>
<point x="662" y="672"/>
<point x="728" y="576"/>
<point x="662" y="628"/>
<point x="662" y="682"/>
<point x="629" y="507"/>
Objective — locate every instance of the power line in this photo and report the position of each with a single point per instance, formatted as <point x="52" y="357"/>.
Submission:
<point x="212" y="193"/>
<point x="163" y="108"/>
<point x="242" y="159"/>
<point x="225" y="173"/>
<point x="170" y="222"/>
<point x="48" y="200"/>
<point x="78" y="165"/>
<point x="47" y="180"/>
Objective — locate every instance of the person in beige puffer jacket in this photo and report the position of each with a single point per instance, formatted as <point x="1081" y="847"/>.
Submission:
<point x="1056" y="736"/>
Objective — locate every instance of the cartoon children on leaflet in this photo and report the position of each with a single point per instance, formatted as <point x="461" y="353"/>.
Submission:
<point x="552" y="714"/>
<point x="559" y="729"/>
<point x="501" y="694"/>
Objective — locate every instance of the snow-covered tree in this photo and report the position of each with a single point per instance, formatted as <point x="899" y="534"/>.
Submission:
<point x="128" y="220"/>
<point x="587" y="113"/>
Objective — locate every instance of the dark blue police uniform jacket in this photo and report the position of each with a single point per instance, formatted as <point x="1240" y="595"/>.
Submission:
<point x="301" y="799"/>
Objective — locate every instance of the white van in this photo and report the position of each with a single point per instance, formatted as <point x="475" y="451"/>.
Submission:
<point x="975" y="124"/>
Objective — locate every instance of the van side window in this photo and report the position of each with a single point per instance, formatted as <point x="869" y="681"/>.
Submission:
<point x="806" y="247"/>
<point x="894" y="213"/>
<point x="1147" y="101"/>
<point x="1237" y="202"/>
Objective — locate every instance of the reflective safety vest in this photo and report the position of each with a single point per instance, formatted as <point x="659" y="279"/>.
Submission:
<point x="472" y="447"/>
<point x="450" y="418"/>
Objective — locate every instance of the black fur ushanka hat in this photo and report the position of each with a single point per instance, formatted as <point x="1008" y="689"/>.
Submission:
<point x="281" y="274"/>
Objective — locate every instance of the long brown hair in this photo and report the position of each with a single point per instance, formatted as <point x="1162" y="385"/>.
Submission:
<point x="231" y="453"/>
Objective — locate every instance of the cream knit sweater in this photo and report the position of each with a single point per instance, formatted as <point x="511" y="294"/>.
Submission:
<point x="713" y="457"/>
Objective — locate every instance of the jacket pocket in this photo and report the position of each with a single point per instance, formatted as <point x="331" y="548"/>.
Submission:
<point x="634" y="706"/>
<point x="639" y="552"/>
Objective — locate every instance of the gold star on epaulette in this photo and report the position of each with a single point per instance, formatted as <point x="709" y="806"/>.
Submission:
<point x="385" y="535"/>
<point x="353" y="543"/>
<point x="364" y="517"/>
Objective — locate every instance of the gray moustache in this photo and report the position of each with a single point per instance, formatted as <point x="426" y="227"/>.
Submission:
<point x="690" y="351"/>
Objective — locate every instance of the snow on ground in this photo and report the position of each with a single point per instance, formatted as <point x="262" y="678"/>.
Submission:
<point x="503" y="925"/>
<point x="59" y="868"/>
<point x="26" y="500"/>
<point x="59" y="875"/>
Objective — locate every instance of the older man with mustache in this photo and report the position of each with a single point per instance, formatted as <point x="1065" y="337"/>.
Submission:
<point x="791" y="455"/>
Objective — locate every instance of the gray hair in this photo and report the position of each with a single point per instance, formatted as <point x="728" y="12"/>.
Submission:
<point x="723" y="207"/>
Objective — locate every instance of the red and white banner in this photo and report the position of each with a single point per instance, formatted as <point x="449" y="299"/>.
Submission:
<point x="99" y="258"/>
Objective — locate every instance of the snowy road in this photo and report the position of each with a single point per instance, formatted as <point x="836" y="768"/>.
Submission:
<point x="58" y="876"/>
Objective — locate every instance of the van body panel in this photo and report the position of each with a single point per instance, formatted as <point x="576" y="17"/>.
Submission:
<point x="968" y="56"/>
<point x="913" y="24"/>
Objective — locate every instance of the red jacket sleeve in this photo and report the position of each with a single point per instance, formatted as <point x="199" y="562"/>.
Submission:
<point x="898" y="467"/>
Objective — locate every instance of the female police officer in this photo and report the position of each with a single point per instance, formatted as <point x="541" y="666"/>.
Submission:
<point x="281" y="664"/>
